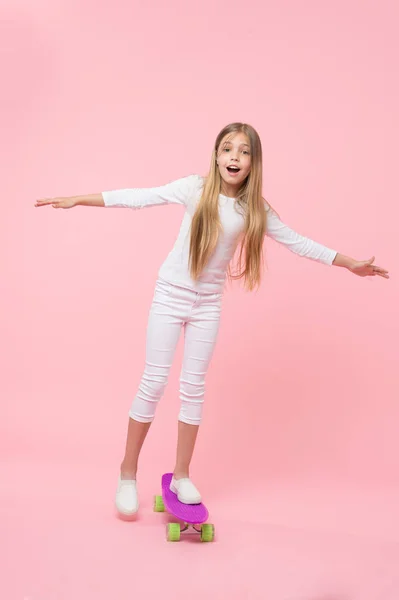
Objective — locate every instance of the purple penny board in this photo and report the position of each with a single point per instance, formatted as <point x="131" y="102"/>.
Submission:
<point x="194" y="514"/>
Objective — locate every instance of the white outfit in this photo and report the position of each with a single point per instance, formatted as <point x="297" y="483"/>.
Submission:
<point x="187" y="192"/>
<point x="195" y="305"/>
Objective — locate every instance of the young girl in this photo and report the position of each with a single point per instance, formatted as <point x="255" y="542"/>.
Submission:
<point x="223" y="211"/>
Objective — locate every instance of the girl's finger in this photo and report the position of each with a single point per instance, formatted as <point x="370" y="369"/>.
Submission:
<point x="379" y="269"/>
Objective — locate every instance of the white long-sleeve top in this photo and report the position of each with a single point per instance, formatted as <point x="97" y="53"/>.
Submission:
<point x="187" y="192"/>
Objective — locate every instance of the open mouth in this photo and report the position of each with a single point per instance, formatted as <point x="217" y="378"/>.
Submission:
<point x="233" y="170"/>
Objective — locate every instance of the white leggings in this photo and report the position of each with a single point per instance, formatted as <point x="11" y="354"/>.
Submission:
<point x="172" y="308"/>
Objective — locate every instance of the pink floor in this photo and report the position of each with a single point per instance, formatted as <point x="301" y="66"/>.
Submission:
<point x="280" y="541"/>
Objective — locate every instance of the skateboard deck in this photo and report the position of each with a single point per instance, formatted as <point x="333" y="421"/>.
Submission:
<point x="189" y="513"/>
<point x="191" y="517"/>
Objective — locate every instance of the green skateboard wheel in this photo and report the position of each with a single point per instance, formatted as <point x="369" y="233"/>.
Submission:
<point x="173" y="532"/>
<point x="158" y="504"/>
<point x="207" y="532"/>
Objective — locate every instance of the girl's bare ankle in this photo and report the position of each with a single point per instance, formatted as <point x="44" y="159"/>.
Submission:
<point x="180" y="474"/>
<point x="128" y="471"/>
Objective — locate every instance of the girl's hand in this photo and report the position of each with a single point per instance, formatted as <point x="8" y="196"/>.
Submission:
<point x="364" y="268"/>
<point x="57" y="202"/>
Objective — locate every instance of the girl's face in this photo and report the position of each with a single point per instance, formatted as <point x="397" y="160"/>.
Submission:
<point x="234" y="161"/>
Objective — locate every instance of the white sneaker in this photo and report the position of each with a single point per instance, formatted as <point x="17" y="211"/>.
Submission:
<point x="126" y="501"/>
<point x="186" y="491"/>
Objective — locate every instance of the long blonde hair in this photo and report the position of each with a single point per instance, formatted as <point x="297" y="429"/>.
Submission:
<point x="206" y="225"/>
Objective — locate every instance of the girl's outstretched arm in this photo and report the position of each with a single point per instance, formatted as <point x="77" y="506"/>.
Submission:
<point x="308" y="248"/>
<point x="175" y="192"/>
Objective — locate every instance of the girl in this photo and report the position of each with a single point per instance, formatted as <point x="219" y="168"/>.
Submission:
<point x="223" y="211"/>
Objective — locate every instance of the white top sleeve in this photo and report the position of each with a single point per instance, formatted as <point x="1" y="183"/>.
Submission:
<point x="175" y="192"/>
<point x="295" y="242"/>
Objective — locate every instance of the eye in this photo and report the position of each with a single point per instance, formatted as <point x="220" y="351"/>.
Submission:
<point x="246" y="152"/>
<point x="226" y="149"/>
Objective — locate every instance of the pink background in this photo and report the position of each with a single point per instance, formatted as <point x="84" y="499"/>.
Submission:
<point x="298" y="454"/>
